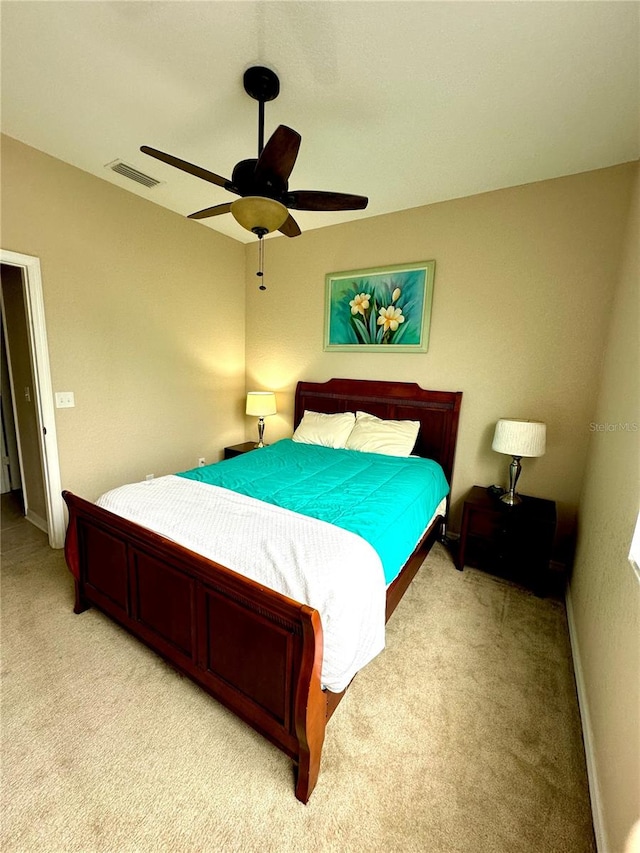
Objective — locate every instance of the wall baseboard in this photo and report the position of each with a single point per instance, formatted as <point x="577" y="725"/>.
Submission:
<point x="587" y="732"/>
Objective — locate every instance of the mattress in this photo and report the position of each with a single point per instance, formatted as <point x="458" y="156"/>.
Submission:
<point x="384" y="499"/>
<point x="307" y="558"/>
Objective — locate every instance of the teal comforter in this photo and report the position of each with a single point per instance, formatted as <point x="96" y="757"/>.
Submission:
<point x="386" y="500"/>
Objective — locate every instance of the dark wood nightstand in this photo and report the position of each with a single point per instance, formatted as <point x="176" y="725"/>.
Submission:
<point x="513" y="542"/>
<point x="239" y="449"/>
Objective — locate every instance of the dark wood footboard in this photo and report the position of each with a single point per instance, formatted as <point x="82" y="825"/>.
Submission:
<point x="254" y="650"/>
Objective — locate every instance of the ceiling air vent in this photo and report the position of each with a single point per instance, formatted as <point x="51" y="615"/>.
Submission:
<point x="133" y="174"/>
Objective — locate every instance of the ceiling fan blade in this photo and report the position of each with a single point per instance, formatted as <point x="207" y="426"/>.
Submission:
<point x="290" y="227"/>
<point x="216" y="210"/>
<point x="279" y="154"/>
<point x="319" y="200"/>
<point x="198" y="171"/>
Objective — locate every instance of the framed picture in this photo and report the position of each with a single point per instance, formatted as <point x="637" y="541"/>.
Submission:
<point x="386" y="309"/>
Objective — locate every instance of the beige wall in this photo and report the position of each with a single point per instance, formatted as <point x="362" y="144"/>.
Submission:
<point x="523" y="286"/>
<point x="604" y="599"/>
<point x="145" y="322"/>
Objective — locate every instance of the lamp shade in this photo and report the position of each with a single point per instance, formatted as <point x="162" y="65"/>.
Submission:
<point x="520" y="438"/>
<point x="259" y="214"/>
<point x="261" y="403"/>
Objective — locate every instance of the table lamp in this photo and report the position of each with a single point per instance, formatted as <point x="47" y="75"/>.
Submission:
<point x="518" y="438"/>
<point x="260" y="404"/>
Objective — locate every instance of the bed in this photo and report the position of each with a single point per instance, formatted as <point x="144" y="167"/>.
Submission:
<point x="254" y="649"/>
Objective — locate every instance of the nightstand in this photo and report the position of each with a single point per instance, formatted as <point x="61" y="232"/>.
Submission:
<point x="513" y="542"/>
<point x="239" y="449"/>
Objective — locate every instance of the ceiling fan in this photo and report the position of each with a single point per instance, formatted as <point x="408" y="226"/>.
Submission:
<point x="262" y="183"/>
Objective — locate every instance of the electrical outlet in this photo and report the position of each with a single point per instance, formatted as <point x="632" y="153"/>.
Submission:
<point x="149" y="477"/>
<point x="201" y="462"/>
<point x="65" y="400"/>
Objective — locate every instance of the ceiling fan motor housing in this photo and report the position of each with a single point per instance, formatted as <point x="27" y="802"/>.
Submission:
<point x="246" y="181"/>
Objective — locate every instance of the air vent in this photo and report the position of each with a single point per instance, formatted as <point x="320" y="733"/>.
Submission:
<point x="133" y="174"/>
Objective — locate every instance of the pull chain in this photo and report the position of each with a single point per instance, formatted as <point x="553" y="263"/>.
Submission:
<point x="260" y="272"/>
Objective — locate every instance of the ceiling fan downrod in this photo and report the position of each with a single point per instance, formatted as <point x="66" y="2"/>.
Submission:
<point x="262" y="85"/>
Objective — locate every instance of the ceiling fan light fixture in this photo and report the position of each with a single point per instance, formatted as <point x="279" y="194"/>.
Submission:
<point x="259" y="214"/>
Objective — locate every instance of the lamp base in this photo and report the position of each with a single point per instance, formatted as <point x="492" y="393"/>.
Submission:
<point x="260" y="432"/>
<point x="510" y="498"/>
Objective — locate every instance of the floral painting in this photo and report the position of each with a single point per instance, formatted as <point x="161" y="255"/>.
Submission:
<point x="384" y="308"/>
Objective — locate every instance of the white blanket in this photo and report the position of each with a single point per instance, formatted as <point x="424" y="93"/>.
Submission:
<point x="334" y="571"/>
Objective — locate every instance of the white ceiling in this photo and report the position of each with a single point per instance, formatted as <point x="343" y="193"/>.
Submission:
<point x="409" y="103"/>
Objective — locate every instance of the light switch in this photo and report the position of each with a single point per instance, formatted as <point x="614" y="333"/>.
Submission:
<point x="65" y="400"/>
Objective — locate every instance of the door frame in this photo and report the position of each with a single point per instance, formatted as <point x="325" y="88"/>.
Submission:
<point x="45" y="414"/>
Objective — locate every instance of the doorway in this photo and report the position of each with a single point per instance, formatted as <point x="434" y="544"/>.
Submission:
<point x="30" y="416"/>
<point x="11" y="476"/>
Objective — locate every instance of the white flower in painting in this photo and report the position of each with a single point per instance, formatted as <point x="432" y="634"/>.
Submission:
<point x="360" y="303"/>
<point x="390" y="318"/>
<point x="396" y="294"/>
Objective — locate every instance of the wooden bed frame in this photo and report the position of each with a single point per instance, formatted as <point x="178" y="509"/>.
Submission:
<point x="256" y="651"/>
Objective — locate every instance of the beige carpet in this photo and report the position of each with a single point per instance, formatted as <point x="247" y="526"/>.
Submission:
<point x="463" y="735"/>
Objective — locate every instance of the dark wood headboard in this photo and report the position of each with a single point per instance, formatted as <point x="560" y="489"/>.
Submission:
<point x="437" y="411"/>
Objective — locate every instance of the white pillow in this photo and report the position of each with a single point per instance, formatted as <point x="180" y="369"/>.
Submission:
<point x="326" y="430"/>
<point x="375" y="435"/>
